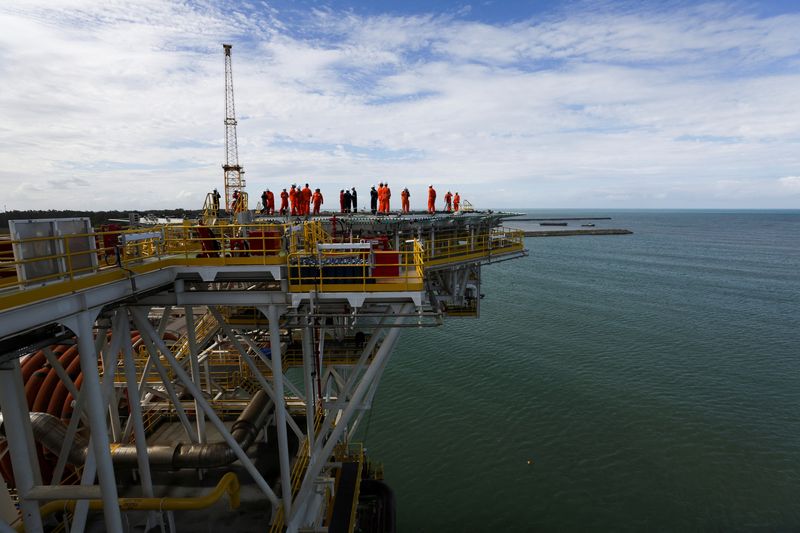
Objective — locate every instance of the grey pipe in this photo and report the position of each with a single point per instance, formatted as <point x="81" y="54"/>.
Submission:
<point x="51" y="433"/>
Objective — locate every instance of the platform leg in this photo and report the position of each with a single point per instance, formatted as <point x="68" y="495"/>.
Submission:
<point x="17" y="423"/>
<point x="273" y="315"/>
<point x="96" y="410"/>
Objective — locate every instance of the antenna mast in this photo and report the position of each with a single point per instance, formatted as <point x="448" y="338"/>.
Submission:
<point x="234" y="174"/>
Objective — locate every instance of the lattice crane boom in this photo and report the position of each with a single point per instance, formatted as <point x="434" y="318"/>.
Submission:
<point x="234" y="173"/>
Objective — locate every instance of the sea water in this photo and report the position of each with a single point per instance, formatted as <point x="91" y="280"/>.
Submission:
<point x="648" y="382"/>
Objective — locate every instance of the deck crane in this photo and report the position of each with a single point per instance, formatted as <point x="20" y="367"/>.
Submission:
<point x="234" y="173"/>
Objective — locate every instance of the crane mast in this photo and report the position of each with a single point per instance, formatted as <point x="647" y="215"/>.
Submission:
<point x="234" y="174"/>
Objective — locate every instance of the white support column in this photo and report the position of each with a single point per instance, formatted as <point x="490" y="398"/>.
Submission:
<point x="72" y="428"/>
<point x="273" y="314"/>
<point x="195" y="367"/>
<point x="253" y="346"/>
<point x="279" y="405"/>
<point x="97" y="419"/>
<point x="149" y="341"/>
<point x="366" y="405"/>
<point x="17" y="422"/>
<point x="354" y="373"/>
<point x="87" y="478"/>
<point x="320" y="457"/>
<point x="141" y="322"/>
<point x="164" y="322"/>
<point x="134" y="405"/>
<point x="110" y="354"/>
<point x="122" y="325"/>
<point x="308" y="379"/>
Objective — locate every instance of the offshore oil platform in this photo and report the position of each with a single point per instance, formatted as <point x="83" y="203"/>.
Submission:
<point x="211" y="374"/>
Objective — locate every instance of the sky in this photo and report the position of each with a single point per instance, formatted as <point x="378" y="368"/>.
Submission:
<point x="536" y="104"/>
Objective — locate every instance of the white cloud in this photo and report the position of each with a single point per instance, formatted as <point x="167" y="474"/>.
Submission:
<point x="592" y="108"/>
<point x="791" y="183"/>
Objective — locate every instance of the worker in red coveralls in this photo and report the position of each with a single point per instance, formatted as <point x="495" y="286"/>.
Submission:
<point x="284" y="202"/>
<point x="341" y="201"/>
<point x="431" y="199"/>
<point x="404" y="196"/>
<point x="317" y="199"/>
<point x="448" y="199"/>
<point x="294" y="198"/>
<point x="307" y="194"/>
<point x="265" y="201"/>
<point x="456" y="201"/>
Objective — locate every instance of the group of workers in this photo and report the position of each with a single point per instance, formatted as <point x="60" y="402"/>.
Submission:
<point x="451" y="202"/>
<point x="299" y="202"/>
<point x="295" y="201"/>
<point x="348" y="201"/>
<point x="379" y="198"/>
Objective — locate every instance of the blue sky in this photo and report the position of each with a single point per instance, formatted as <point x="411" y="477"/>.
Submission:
<point x="546" y="104"/>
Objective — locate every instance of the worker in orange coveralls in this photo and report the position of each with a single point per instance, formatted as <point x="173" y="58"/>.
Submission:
<point x="456" y="201"/>
<point x="294" y="198"/>
<point x="448" y="198"/>
<point x="431" y="199"/>
<point x="404" y="196"/>
<point x="306" y="200"/>
<point x="284" y="202"/>
<point x="380" y="197"/>
<point x="387" y="194"/>
<point x="270" y="202"/>
<point x="317" y="198"/>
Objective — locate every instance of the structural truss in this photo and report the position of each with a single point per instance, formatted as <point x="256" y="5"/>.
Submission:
<point x="182" y="365"/>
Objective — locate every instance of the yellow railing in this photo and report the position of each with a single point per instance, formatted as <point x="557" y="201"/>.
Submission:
<point x="460" y="244"/>
<point x="227" y="243"/>
<point x="419" y="257"/>
<point x="357" y="269"/>
<point x="241" y="203"/>
<point x="229" y="484"/>
<point x="203" y="327"/>
<point x="298" y="472"/>
<point x="313" y="234"/>
<point x="210" y="209"/>
<point x="114" y="255"/>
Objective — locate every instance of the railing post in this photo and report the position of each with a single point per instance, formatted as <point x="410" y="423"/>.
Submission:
<point x="67" y="255"/>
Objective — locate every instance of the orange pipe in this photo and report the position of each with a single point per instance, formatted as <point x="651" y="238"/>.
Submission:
<point x="55" y="400"/>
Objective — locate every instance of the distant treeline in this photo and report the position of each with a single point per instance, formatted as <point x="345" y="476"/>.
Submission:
<point x="97" y="217"/>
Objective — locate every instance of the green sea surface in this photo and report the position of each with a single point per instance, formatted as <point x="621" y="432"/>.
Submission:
<point x="648" y="382"/>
